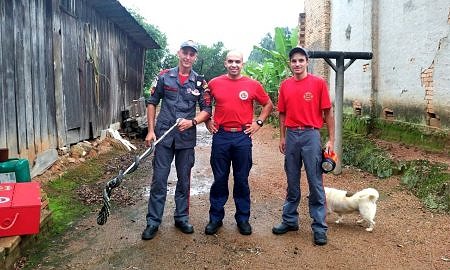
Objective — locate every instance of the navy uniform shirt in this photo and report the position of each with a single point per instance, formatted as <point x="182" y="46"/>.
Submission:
<point x="178" y="101"/>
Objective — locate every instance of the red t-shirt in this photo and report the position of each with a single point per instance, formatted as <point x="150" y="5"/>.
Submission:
<point x="182" y="78"/>
<point x="234" y="100"/>
<point x="303" y="101"/>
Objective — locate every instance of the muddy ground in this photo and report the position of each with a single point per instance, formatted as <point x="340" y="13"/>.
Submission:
<point x="406" y="235"/>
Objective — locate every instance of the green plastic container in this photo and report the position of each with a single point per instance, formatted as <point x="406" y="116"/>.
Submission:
<point x="20" y="167"/>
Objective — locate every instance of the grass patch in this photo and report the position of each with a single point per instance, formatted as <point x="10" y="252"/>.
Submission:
<point x="362" y="153"/>
<point x="423" y="137"/>
<point x="65" y="205"/>
<point x="429" y="182"/>
<point x="61" y="191"/>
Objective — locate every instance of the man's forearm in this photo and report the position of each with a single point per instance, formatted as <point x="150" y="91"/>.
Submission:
<point x="266" y="110"/>
<point x="151" y="112"/>
<point x="202" y="117"/>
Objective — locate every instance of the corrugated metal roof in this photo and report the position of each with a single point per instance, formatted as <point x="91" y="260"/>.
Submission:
<point x="119" y="15"/>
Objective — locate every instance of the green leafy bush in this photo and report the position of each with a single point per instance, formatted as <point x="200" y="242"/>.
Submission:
<point x="429" y="182"/>
<point x="364" y="154"/>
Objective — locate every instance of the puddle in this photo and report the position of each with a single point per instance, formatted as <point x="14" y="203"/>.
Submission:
<point x="201" y="176"/>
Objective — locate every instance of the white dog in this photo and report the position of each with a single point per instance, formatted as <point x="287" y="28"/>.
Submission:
<point x="364" y="201"/>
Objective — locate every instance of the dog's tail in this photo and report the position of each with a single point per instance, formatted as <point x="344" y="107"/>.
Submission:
<point x="371" y="193"/>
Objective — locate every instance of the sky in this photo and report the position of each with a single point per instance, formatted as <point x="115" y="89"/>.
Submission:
<point x="239" y="24"/>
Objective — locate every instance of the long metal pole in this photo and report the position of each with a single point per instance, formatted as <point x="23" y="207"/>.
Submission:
<point x="338" y="109"/>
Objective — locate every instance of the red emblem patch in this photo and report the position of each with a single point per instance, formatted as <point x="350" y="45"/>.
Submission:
<point x="308" y="96"/>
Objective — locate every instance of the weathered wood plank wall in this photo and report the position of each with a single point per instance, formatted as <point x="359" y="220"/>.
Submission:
<point x="67" y="72"/>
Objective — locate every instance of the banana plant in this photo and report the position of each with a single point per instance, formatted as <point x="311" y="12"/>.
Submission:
<point x="275" y="67"/>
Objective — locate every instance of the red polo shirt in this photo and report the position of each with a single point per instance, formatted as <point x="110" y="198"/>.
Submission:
<point x="234" y="100"/>
<point x="303" y="101"/>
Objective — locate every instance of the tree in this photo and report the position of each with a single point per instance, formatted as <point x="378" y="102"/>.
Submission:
<point x="209" y="60"/>
<point x="258" y="56"/>
<point x="275" y="66"/>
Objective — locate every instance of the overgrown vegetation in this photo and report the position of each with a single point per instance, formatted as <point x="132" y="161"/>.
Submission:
<point x="63" y="199"/>
<point x="429" y="181"/>
<point x="64" y="203"/>
<point x="274" y="67"/>
<point x="427" y="139"/>
<point x="362" y="153"/>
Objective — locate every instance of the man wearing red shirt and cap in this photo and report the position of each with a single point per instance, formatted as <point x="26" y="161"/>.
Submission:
<point x="304" y="104"/>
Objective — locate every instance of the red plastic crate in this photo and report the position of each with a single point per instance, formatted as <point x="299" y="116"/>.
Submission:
<point x="20" y="208"/>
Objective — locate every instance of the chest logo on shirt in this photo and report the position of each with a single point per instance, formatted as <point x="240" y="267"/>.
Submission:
<point x="243" y="95"/>
<point x="308" y="96"/>
<point x="194" y="92"/>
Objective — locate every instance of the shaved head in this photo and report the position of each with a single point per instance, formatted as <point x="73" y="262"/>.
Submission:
<point x="234" y="63"/>
<point x="235" y="54"/>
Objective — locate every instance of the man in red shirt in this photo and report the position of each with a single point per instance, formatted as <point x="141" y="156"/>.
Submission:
<point x="233" y="126"/>
<point x="304" y="104"/>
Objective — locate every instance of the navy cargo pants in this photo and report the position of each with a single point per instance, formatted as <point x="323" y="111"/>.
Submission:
<point x="184" y="161"/>
<point x="230" y="148"/>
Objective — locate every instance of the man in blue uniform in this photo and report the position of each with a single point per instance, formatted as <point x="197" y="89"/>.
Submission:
<point x="180" y="89"/>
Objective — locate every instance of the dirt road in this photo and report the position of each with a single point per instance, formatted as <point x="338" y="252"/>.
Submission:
<point x="406" y="235"/>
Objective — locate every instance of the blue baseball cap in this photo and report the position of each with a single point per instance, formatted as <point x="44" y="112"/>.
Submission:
<point x="189" y="44"/>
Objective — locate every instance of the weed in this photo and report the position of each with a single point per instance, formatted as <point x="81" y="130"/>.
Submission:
<point x="429" y="182"/>
<point x="65" y="205"/>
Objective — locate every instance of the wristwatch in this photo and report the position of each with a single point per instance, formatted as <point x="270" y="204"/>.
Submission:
<point x="194" y="122"/>
<point x="260" y="122"/>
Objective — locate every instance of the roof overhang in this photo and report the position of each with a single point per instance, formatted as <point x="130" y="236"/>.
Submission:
<point x="119" y="15"/>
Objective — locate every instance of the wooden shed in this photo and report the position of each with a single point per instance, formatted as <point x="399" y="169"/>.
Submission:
<point x="67" y="70"/>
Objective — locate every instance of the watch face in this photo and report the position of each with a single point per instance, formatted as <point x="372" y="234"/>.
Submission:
<point x="259" y="122"/>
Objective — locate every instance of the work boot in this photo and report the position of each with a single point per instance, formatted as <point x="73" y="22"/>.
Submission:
<point x="213" y="227"/>
<point x="320" y="238"/>
<point x="244" y="228"/>
<point x="184" y="226"/>
<point x="283" y="228"/>
<point x="149" y="232"/>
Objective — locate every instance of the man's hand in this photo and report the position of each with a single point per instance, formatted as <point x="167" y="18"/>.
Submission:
<point x="210" y="125"/>
<point x="252" y="129"/>
<point x="329" y="147"/>
<point x="150" y="138"/>
<point x="185" y="124"/>
<point x="282" y="146"/>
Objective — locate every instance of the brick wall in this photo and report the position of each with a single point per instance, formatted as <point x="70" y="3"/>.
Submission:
<point x="317" y="33"/>
<point x="427" y="83"/>
<point x="301" y="29"/>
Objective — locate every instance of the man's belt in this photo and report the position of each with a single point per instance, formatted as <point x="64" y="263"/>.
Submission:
<point x="233" y="129"/>
<point x="302" y="128"/>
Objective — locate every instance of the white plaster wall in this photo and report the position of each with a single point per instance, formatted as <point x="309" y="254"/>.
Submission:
<point x="409" y="36"/>
<point x="413" y="34"/>
<point x="357" y="15"/>
<point x="441" y="98"/>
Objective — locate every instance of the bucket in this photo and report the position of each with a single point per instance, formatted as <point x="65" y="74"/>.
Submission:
<point x="20" y="168"/>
